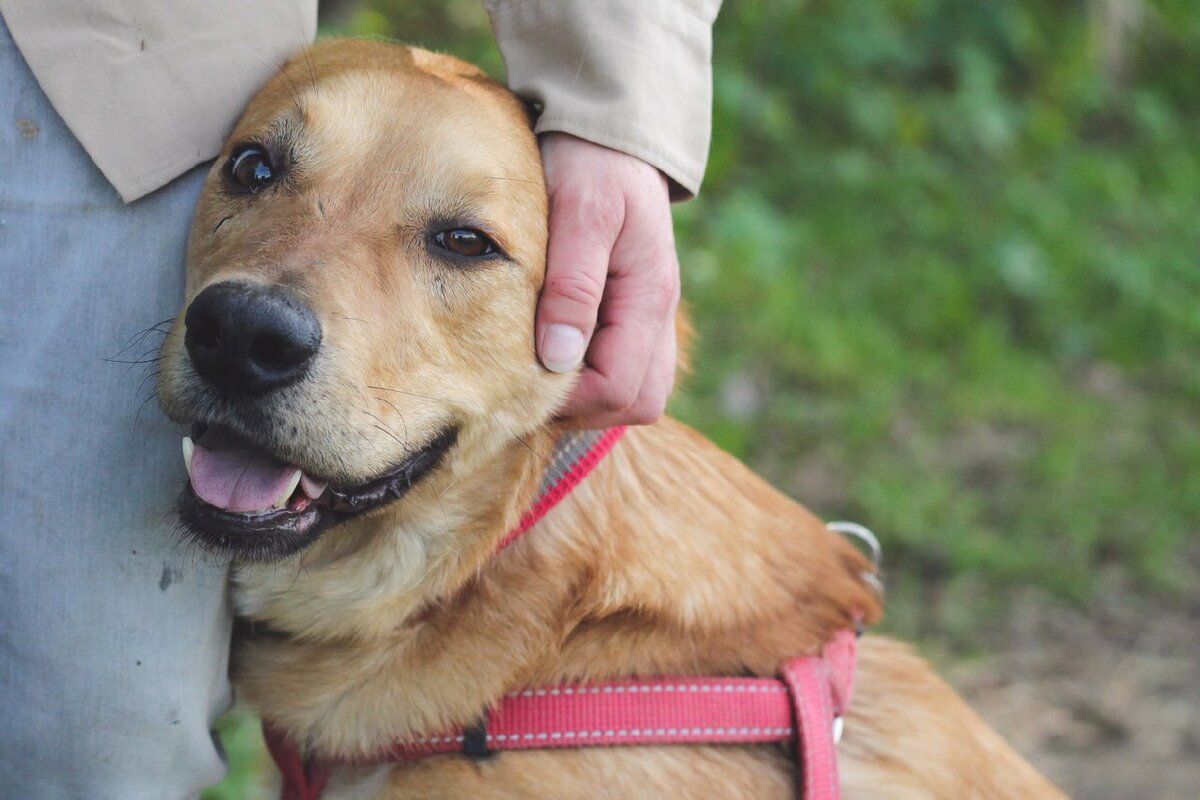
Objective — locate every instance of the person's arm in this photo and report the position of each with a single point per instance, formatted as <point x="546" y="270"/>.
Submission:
<point x="626" y="92"/>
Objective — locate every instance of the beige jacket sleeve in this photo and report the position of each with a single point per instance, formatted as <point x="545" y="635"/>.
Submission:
<point x="633" y="75"/>
<point x="151" y="88"/>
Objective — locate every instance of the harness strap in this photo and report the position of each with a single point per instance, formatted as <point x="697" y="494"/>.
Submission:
<point x="302" y="780"/>
<point x="627" y="712"/>
<point x="576" y="453"/>
<point x="821" y="689"/>
<point x="800" y="707"/>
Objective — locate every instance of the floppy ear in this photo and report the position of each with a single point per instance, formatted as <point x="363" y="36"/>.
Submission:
<point x="533" y="110"/>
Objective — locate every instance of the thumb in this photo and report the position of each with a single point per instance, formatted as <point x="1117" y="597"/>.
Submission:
<point x="577" y="257"/>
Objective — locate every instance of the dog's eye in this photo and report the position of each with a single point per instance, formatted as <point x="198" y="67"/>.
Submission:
<point x="250" y="169"/>
<point x="465" y="242"/>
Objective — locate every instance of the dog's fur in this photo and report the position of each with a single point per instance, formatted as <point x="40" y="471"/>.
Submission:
<point x="671" y="558"/>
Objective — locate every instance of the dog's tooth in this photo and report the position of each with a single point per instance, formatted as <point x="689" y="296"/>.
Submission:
<point x="188" y="449"/>
<point x="312" y="489"/>
<point x="291" y="487"/>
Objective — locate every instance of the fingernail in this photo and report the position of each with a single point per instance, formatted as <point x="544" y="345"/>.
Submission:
<point x="562" y="348"/>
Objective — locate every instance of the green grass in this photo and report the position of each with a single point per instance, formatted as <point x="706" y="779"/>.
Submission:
<point x="944" y="272"/>
<point x="248" y="759"/>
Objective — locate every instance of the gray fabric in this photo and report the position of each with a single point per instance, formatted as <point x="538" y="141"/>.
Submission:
<point x="569" y="450"/>
<point x="113" y="636"/>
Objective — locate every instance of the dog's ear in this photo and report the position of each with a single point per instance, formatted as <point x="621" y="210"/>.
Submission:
<point x="533" y="110"/>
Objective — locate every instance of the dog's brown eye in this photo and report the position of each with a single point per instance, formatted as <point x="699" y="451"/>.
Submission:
<point x="465" y="242"/>
<point x="250" y="169"/>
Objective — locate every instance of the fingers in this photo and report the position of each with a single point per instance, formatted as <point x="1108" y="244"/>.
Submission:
<point x="652" y="396"/>
<point x="576" y="271"/>
<point x="586" y="215"/>
<point x="612" y="284"/>
<point x="638" y="308"/>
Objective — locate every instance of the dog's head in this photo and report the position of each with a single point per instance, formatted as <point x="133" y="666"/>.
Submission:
<point x="362" y="276"/>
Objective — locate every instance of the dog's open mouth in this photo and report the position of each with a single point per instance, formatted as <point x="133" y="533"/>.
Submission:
<point x="242" y="501"/>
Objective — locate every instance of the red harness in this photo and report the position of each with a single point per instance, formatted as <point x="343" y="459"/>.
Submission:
<point x="804" y="705"/>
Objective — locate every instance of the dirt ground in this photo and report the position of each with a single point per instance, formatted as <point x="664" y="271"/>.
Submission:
<point x="1105" y="700"/>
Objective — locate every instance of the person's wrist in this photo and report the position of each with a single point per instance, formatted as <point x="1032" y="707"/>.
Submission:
<point x="556" y="143"/>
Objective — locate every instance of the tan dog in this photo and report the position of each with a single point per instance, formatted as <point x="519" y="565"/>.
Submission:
<point x="370" y="419"/>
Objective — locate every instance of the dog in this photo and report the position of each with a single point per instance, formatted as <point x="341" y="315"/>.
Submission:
<point x="369" y="424"/>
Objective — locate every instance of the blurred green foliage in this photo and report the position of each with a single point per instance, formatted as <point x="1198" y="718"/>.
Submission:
<point x="944" y="272"/>
<point x="955" y="254"/>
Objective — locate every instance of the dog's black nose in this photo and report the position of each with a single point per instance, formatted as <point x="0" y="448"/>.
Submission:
<point x="247" y="338"/>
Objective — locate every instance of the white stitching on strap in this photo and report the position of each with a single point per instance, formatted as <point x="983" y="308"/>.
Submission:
<point x="635" y="733"/>
<point x="693" y="688"/>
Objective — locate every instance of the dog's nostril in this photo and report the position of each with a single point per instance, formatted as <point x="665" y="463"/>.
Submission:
<point x="203" y="331"/>
<point x="273" y="353"/>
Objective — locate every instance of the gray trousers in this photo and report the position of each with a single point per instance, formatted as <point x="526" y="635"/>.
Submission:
<point x="113" y="636"/>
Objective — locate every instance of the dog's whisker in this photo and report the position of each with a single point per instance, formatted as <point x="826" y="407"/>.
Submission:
<point x="411" y="394"/>
<point x="300" y="567"/>
<point x="545" y="459"/>
<point x="293" y="90"/>
<point x="341" y="457"/>
<point x="392" y="435"/>
<point x="383" y="426"/>
<point x="151" y="374"/>
<point x="445" y="517"/>
<point x="132" y="361"/>
<point x="137" y="416"/>
<point x="306" y="51"/>
<point x="403" y="421"/>
<point x="448" y="487"/>
<point x="138" y="340"/>
<point x="140" y="336"/>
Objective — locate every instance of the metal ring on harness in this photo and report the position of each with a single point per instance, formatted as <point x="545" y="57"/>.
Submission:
<point x="867" y="537"/>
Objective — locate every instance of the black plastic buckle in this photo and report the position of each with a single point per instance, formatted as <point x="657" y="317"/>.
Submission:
<point x="475" y="741"/>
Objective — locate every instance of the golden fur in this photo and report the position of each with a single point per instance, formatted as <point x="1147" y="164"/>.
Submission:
<point x="671" y="558"/>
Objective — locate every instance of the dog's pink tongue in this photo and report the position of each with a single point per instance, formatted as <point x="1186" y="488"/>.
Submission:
<point x="230" y="474"/>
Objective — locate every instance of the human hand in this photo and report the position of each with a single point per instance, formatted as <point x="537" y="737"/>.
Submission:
<point x="612" y="283"/>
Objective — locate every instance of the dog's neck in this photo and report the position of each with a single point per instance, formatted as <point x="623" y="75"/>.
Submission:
<point x="669" y="558"/>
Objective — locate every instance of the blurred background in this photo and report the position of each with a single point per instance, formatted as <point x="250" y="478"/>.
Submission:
<point x="945" y="269"/>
